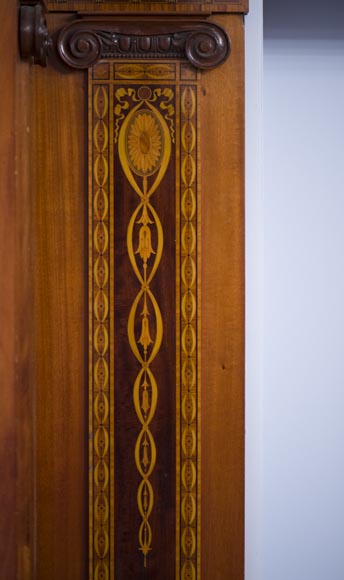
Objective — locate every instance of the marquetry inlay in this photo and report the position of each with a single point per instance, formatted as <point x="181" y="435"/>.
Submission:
<point x="101" y="507"/>
<point x="144" y="252"/>
<point x="190" y="479"/>
<point x="144" y="146"/>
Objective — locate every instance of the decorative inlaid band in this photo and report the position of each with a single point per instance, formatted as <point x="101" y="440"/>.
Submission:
<point x="100" y="373"/>
<point x="190" y="481"/>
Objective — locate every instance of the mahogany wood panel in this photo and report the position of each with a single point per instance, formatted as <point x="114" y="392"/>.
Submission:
<point x="61" y="316"/>
<point x="24" y="323"/>
<point x="222" y="291"/>
<point x="16" y="409"/>
<point x="8" y="544"/>
<point x="60" y="145"/>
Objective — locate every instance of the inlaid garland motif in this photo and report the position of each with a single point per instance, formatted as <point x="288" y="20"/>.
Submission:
<point x="144" y="147"/>
<point x="144" y="165"/>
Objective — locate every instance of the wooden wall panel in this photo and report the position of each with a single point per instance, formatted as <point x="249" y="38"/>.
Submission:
<point x="222" y="155"/>
<point x="16" y="409"/>
<point x="7" y="296"/>
<point x="61" y="316"/>
<point x="24" y="323"/>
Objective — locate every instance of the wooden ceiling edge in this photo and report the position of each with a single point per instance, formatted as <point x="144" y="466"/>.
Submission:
<point x="113" y="8"/>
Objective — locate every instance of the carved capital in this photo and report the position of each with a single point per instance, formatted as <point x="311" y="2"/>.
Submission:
<point x="85" y="41"/>
<point x="34" y="38"/>
<point x="82" y="43"/>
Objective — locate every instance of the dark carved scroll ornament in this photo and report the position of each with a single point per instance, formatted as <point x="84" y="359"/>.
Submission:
<point x="82" y="43"/>
<point x="85" y="41"/>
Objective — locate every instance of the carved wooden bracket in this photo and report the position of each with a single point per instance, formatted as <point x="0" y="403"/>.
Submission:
<point x="82" y="43"/>
<point x="34" y="41"/>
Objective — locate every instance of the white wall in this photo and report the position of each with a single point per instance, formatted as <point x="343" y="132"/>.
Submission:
<point x="295" y="482"/>
<point x="254" y="288"/>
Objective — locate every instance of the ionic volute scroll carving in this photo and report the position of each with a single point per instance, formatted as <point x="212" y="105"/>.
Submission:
<point x="85" y="41"/>
<point x="82" y="43"/>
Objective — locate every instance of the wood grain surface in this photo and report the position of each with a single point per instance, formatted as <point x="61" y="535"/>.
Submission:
<point x="8" y="544"/>
<point x="16" y="352"/>
<point x="60" y="145"/>
<point x="222" y="291"/>
<point x="25" y="323"/>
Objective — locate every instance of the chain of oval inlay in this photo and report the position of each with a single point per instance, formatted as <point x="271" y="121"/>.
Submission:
<point x="189" y="342"/>
<point x="100" y="308"/>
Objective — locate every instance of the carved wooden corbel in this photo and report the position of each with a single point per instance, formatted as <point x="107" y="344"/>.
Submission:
<point x="34" y="40"/>
<point x="85" y="41"/>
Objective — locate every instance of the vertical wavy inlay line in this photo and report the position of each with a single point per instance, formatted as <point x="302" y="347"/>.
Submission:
<point x="144" y="148"/>
<point x="100" y="338"/>
<point x="189" y="346"/>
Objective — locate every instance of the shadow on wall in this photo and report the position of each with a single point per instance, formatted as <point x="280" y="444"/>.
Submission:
<point x="306" y="19"/>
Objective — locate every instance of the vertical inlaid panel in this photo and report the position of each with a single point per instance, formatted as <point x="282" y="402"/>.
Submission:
<point x="190" y="480"/>
<point x="144" y="419"/>
<point x="101" y="371"/>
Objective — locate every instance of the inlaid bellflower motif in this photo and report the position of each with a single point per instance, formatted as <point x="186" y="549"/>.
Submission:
<point x="145" y="238"/>
<point x="145" y="339"/>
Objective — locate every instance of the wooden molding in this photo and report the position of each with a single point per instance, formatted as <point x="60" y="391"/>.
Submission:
<point x="148" y="6"/>
<point x="85" y="41"/>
